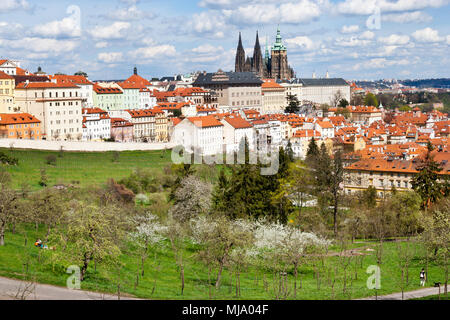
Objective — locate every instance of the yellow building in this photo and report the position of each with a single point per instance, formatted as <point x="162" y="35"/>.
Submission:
<point x="7" y="85"/>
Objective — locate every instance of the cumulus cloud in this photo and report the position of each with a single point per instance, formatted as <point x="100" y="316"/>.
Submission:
<point x="110" y="57"/>
<point x="208" y="23"/>
<point x="288" y="12"/>
<point x="380" y="63"/>
<point x="350" y="29"/>
<point x="302" y="43"/>
<point x="102" y="44"/>
<point x="427" y="35"/>
<point x="207" y="49"/>
<point x="129" y="14"/>
<point x="149" y="53"/>
<point x="448" y="40"/>
<point x="69" y="26"/>
<point x="367" y="35"/>
<point x="394" y="39"/>
<point x="42" y="45"/>
<point x="9" y="5"/>
<point x="114" y="31"/>
<point x="407" y="17"/>
<point x="367" y="7"/>
<point x="10" y="30"/>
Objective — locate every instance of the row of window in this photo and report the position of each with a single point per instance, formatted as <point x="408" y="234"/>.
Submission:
<point x="19" y="126"/>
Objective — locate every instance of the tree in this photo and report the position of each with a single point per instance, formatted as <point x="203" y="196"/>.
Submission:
<point x="337" y="98"/>
<point x="405" y="208"/>
<point x="8" y="198"/>
<point x="192" y="198"/>
<point x="343" y="104"/>
<point x="313" y="152"/>
<point x="293" y="104"/>
<point x="221" y="194"/>
<point x="299" y="186"/>
<point x="218" y="237"/>
<point x="92" y="233"/>
<point x="49" y="207"/>
<point x="426" y="182"/>
<point x="436" y="237"/>
<point x="81" y="73"/>
<point x="149" y="233"/>
<point x="371" y="100"/>
<point x="369" y="197"/>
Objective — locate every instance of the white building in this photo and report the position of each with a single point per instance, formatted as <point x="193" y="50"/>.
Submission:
<point x="146" y="99"/>
<point x="202" y="135"/>
<point x="96" y="124"/>
<point x="86" y="87"/>
<point x="325" y="128"/>
<point x="9" y="67"/>
<point x="235" y="129"/>
<point x="56" y="105"/>
<point x="319" y="91"/>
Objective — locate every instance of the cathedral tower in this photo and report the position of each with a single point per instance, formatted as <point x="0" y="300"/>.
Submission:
<point x="257" y="62"/>
<point x="240" y="56"/>
<point x="279" y="64"/>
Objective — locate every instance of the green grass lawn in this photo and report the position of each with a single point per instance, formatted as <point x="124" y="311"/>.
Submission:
<point x="162" y="281"/>
<point x="435" y="297"/>
<point x="87" y="168"/>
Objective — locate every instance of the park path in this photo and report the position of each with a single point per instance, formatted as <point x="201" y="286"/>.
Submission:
<point x="409" y="294"/>
<point x="11" y="289"/>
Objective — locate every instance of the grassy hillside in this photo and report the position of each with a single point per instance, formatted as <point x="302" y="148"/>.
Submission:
<point x="162" y="280"/>
<point x="87" y="168"/>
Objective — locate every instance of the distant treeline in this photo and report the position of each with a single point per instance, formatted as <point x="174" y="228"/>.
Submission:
<point x="427" y="83"/>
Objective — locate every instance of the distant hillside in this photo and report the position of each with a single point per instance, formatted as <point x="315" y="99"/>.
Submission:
<point x="427" y="83"/>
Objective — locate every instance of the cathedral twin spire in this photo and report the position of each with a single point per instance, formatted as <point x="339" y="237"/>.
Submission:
<point x="274" y="65"/>
<point x="255" y="64"/>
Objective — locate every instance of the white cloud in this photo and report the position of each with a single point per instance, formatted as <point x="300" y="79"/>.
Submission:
<point x="207" y="49"/>
<point x="69" y="26"/>
<point x="35" y="44"/>
<point x="367" y="7"/>
<point x="8" y="5"/>
<point x="367" y="35"/>
<point x="110" y="57"/>
<point x="101" y="45"/>
<point x="427" y="35"/>
<point x="407" y="17"/>
<point x="128" y="14"/>
<point x="448" y="40"/>
<point x="287" y="12"/>
<point x="350" y="29"/>
<point x="303" y="43"/>
<point x="8" y="29"/>
<point x="380" y="63"/>
<point x="208" y="23"/>
<point x="114" y="31"/>
<point x="152" y="52"/>
<point x="394" y="39"/>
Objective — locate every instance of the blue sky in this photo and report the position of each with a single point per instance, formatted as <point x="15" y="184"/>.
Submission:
<point x="107" y="38"/>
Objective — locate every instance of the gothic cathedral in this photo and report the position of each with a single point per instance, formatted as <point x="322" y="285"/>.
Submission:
<point x="274" y="65"/>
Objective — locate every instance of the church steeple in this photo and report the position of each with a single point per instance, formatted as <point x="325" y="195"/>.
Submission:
<point x="240" y="56"/>
<point x="258" y="66"/>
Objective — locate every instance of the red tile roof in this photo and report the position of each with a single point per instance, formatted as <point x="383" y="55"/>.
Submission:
<point x="44" y="85"/>
<point x="5" y="75"/>
<point x="238" y="123"/>
<point x="106" y="90"/>
<point x="17" y="118"/>
<point x="205" y="122"/>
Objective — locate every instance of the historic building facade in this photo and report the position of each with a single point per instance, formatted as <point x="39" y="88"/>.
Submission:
<point x="274" y="65"/>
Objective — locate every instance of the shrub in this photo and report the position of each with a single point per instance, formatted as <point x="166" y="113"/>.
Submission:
<point x="5" y="159"/>
<point x="51" y="160"/>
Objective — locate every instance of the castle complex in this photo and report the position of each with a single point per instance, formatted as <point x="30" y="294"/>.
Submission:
<point x="274" y="65"/>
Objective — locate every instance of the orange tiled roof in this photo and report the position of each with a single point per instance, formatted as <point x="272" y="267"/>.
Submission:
<point x="102" y="90"/>
<point x="4" y="75"/>
<point x="17" y="118"/>
<point x="205" y="122"/>
<point x="44" y="85"/>
<point x="61" y="78"/>
<point x="238" y="122"/>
